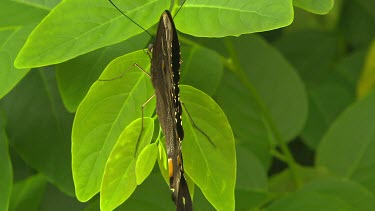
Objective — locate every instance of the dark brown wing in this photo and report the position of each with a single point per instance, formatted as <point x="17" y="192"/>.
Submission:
<point x="165" y="76"/>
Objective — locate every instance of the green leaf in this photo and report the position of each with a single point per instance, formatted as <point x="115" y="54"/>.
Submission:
<point x="259" y="88"/>
<point x="350" y="67"/>
<point x="145" y="162"/>
<point x="28" y="194"/>
<point x="211" y="167"/>
<point x="348" y="147"/>
<point x="304" y="20"/>
<point x="44" y="4"/>
<point x="106" y="110"/>
<point x="6" y="176"/>
<point x="55" y="200"/>
<point x="357" y="21"/>
<point x="10" y="76"/>
<point x="250" y="199"/>
<point x="251" y="183"/>
<point x="163" y="154"/>
<point x="285" y="181"/>
<point x="17" y="22"/>
<point x="324" y="107"/>
<point x="327" y="195"/>
<point x="274" y="81"/>
<point x="77" y="75"/>
<point x="367" y="80"/>
<point x="318" y="7"/>
<point x="152" y="195"/>
<point x="325" y="78"/>
<point x="250" y="172"/>
<point x="18" y="14"/>
<point x="75" y="27"/>
<point x="163" y="160"/>
<point x="119" y="180"/>
<point x="202" y="68"/>
<point x="39" y="127"/>
<point x="200" y="202"/>
<point x="315" y="64"/>
<point x="254" y="134"/>
<point x="207" y="18"/>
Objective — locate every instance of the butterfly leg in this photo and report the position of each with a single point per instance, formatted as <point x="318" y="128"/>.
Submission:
<point x="140" y="68"/>
<point x="140" y="134"/>
<point x="196" y="127"/>
<point x="120" y="76"/>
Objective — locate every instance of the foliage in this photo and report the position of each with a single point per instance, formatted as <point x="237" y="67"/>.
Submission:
<point x="290" y="110"/>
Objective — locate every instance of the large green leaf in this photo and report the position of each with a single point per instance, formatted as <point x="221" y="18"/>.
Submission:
<point x="330" y="85"/>
<point x="260" y="88"/>
<point x="319" y="7"/>
<point x="348" y="147"/>
<point x="84" y="22"/>
<point x="275" y="82"/>
<point x="119" y="180"/>
<point x="214" y="18"/>
<point x="77" y="75"/>
<point x="253" y="134"/>
<point x="28" y="194"/>
<point x="17" y="21"/>
<point x="106" y="110"/>
<point x="75" y="27"/>
<point x="18" y="14"/>
<point x="202" y="68"/>
<point x="39" y="127"/>
<point x="212" y="167"/>
<point x="6" y="176"/>
<point x="327" y="195"/>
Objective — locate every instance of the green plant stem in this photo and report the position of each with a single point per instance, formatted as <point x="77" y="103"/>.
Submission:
<point x="278" y="155"/>
<point x="234" y="65"/>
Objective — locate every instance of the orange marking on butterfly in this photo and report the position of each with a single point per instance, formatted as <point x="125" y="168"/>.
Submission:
<point x="170" y="167"/>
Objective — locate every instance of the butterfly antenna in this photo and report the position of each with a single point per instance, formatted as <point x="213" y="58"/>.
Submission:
<point x="130" y="18"/>
<point x="179" y="9"/>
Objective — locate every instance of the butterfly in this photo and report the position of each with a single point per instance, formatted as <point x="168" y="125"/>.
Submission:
<point x="165" y="77"/>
